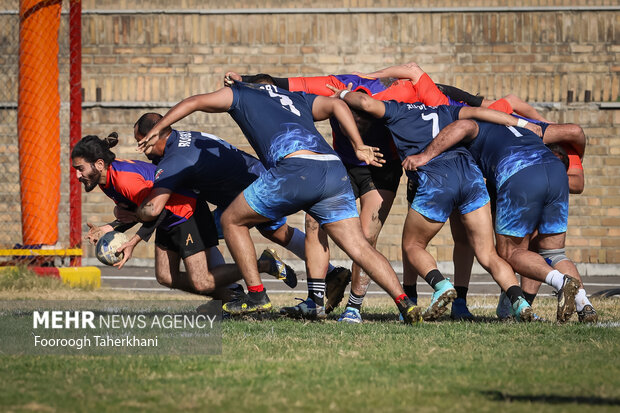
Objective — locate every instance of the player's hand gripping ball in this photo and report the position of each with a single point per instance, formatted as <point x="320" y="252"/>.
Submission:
<point x="107" y="246"/>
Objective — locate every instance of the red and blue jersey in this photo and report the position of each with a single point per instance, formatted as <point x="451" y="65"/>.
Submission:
<point x="129" y="182"/>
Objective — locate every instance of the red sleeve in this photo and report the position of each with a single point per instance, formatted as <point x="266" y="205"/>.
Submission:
<point x="574" y="161"/>
<point x="501" y="105"/>
<point x="429" y="93"/>
<point x="131" y="185"/>
<point x="314" y="85"/>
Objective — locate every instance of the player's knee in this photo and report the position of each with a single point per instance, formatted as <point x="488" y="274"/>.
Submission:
<point x="553" y="257"/>
<point x="164" y="278"/>
<point x="204" y="284"/>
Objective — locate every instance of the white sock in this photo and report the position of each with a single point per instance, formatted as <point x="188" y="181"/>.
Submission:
<point x="555" y="279"/>
<point x="297" y="244"/>
<point x="581" y="300"/>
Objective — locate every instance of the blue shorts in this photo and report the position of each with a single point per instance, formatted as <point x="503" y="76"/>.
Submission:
<point x="450" y="181"/>
<point x="317" y="184"/>
<point x="536" y="197"/>
<point x="267" y="226"/>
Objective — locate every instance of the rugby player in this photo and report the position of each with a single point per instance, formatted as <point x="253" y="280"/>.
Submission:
<point x="513" y="161"/>
<point x="449" y="182"/>
<point x="184" y="230"/>
<point x="303" y="173"/>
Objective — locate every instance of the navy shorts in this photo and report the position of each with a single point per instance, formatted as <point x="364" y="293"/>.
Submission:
<point x="451" y="181"/>
<point x="317" y="184"/>
<point x="536" y="197"/>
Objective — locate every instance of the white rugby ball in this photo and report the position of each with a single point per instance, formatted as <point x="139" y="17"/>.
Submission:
<point x="107" y="245"/>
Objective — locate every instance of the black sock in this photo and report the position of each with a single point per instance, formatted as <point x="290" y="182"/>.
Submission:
<point x="411" y="291"/>
<point x="316" y="290"/>
<point x="433" y="278"/>
<point x="529" y="297"/>
<point x="514" y="293"/>
<point x="355" y="300"/>
<point x="257" y="296"/>
<point x="461" y="292"/>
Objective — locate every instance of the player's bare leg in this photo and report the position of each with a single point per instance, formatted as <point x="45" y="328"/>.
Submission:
<point x="479" y="227"/>
<point x="348" y="235"/>
<point x="532" y="265"/>
<point x="317" y="261"/>
<point x="236" y="221"/>
<point x="375" y="206"/>
<point x="463" y="259"/>
<point x="417" y="233"/>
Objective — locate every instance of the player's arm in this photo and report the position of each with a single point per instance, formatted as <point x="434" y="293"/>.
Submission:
<point x="447" y="137"/>
<point x="409" y="71"/>
<point x="153" y="204"/>
<point x="495" y="116"/>
<point x="326" y="107"/>
<point x="566" y="135"/>
<point x="361" y="101"/>
<point x="215" y="102"/>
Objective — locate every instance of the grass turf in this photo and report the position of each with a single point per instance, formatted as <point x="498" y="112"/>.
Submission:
<point x="276" y="364"/>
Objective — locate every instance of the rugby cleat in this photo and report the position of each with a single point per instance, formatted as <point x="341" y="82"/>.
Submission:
<point x="278" y="268"/>
<point x="244" y="304"/>
<point x="306" y="309"/>
<point x="409" y="312"/>
<point x="566" y="298"/>
<point x="521" y="310"/>
<point x="587" y="314"/>
<point x="504" y="307"/>
<point x="444" y="294"/>
<point x="336" y="282"/>
<point x="351" y="315"/>
<point x="460" y="311"/>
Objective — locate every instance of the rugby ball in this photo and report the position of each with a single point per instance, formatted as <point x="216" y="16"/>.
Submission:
<point x="107" y="245"/>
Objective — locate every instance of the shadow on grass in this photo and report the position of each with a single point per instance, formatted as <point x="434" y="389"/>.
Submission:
<point x="550" y="398"/>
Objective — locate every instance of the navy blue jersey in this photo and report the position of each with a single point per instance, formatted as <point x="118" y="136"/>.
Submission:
<point x="206" y="164"/>
<point x="414" y="125"/>
<point x="501" y="151"/>
<point x="276" y="122"/>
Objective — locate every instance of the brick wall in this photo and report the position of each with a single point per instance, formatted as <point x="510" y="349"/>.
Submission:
<point x="155" y="58"/>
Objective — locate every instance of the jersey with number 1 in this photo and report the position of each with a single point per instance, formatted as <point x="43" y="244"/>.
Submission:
<point x="276" y="122"/>
<point x="501" y="151"/>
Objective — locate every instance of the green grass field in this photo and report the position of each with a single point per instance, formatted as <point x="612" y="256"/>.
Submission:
<point x="285" y="365"/>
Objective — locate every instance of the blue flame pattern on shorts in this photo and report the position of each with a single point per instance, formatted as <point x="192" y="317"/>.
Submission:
<point x="451" y="180"/>
<point x="319" y="187"/>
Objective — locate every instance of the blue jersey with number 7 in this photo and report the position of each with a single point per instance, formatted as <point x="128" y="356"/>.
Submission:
<point x="414" y="125"/>
<point x="276" y="122"/>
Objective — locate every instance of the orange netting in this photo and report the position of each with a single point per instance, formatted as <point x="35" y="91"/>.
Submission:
<point x="38" y="120"/>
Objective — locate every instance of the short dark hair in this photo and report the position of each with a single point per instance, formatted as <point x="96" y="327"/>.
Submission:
<point x="92" y="148"/>
<point x="560" y="152"/>
<point x="262" y="78"/>
<point x="146" y="122"/>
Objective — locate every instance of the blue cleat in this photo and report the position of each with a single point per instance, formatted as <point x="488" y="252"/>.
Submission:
<point x="306" y="309"/>
<point x="444" y="294"/>
<point x="460" y="311"/>
<point x="350" y="315"/>
<point x="278" y="268"/>
<point x="521" y="310"/>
